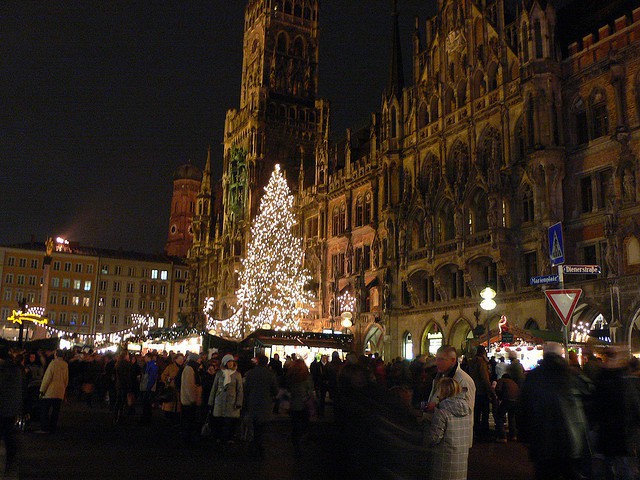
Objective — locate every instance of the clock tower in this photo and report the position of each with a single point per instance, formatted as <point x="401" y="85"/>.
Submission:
<point x="277" y="121"/>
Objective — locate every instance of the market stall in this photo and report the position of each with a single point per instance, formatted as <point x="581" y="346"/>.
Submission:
<point x="305" y="345"/>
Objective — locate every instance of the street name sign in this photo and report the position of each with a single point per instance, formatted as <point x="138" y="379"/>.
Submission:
<point x="544" y="279"/>
<point x="564" y="302"/>
<point x="556" y="244"/>
<point x="582" y="269"/>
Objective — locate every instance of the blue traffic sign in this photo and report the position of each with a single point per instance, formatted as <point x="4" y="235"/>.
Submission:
<point x="556" y="244"/>
<point x="544" y="279"/>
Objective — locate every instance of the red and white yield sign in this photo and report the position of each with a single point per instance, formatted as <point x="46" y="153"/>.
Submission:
<point x="564" y="302"/>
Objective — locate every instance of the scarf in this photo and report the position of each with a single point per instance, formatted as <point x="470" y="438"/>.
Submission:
<point x="227" y="376"/>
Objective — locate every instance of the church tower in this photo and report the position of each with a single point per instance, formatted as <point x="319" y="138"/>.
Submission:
<point x="277" y="121"/>
<point x="186" y="185"/>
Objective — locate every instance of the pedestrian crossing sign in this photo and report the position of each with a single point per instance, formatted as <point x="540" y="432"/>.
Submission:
<point x="556" y="244"/>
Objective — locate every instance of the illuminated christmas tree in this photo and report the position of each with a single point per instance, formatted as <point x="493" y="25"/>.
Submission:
<point x="272" y="283"/>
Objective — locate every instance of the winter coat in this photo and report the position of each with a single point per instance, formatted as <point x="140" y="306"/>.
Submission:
<point x="450" y="435"/>
<point x="11" y="379"/>
<point x="260" y="388"/>
<point x="124" y="376"/>
<point x="300" y="393"/>
<point x="551" y="417"/>
<point x="149" y="377"/>
<point x="55" y="380"/>
<point x="465" y="381"/>
<point x="479" y="372"/>
<point x="616" y="413"/>
<point x="226" y="400"/>
<point x="189" y="390"/>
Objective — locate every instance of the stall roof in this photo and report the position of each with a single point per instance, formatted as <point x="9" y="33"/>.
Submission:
<point x="303" y="339"/>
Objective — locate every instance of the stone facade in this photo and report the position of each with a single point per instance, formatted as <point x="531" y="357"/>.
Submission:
<point x="507" y="128"/>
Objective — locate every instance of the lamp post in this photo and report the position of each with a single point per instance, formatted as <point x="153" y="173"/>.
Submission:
<point x="488" y="303"/>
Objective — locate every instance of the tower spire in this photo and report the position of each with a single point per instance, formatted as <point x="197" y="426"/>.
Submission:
<point x="396" y="71"/>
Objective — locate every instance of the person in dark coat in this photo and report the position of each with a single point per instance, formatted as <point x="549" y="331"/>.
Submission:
<point x="479" y="371"/>
<point x="616" y="415"/>
<point x="261" y="388"/>
<point x="10" y="406"/>
<point x="551" y="418"/>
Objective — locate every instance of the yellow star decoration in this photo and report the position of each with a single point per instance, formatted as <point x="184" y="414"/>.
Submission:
<point x="19" y="317"/>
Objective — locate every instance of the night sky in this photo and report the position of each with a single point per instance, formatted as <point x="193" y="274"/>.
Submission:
<point x="101" y="101"/>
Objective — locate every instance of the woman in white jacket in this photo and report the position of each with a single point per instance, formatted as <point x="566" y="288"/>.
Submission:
<point x="226" y="399"/>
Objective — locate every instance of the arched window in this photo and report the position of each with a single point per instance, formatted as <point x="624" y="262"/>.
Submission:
<point x="449" y="102"/>
<point x="479" y="87"/>
<point x="433" y="108"/>
<point x="335" y="221"/>
<point x="537" y="32"/>
<point x="423" y="116"/>
<point x="492" y="77"/>
<point x="528" y="211"/>
<point x="298" y="47"/>
<point x="367" y="209"/>
<point x="525" y="42"/>
<point x="297" y="10"/>
<point x="633" y="251"/>
<point x="393" y="119"/>
<point x="478" y="213"/>
<point x="359" y="211"/>
<point x="407" y="346"/>
<point x="343" y="217"/>
<point x="282" y="43"/>
<point x="580" y="124"/>
<point x="288" y="8"/>
<point x="307" y="13"/>
<point x="600" y="114"/>
<point x="462" y="93"/>
<point x="446" y="224"/>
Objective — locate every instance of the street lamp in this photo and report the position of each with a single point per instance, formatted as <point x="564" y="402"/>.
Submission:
<point x="488" y="303"/>
<point x="347" y="304"/>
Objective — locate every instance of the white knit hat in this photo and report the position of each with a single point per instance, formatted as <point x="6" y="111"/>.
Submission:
<point x="227" y="358"/>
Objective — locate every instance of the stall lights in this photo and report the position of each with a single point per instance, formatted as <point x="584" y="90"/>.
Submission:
<point x="580" y="332"/>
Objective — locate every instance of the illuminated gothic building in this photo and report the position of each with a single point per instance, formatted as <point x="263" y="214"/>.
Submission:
<point x="517" y="116"/>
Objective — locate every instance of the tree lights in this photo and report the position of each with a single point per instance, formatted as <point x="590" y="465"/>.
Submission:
<point x="272" y="281"/>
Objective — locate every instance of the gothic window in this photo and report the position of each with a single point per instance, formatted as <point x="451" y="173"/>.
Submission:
<point x="359" y="211"/>
<point x="367" y="209"/>
<point x="446" y="226"/>
<point x="530" y="266"/>
<point x="393" y="119"/>
<point x="478" y="86"/>
<point x="478" y="213"/>
<point x="407" y="346"/>
<point x="462" y="93"/>
<point x="537" y="31"/>
<point x="528" y="210"/>
<point x="423" y="116"/>
<point x="633" y="251"/>
<point x="580" y="125"/>
<point x="492" y="77"/>
<point x="288" y="8"/>
<point x="343" y="217"/>
<point x="307" y="13"/>
<point x="525" y="42"/>
<point x="434" y="109"/>
<point x="600" y="114"/>
<point x="335" y="227"/>
<point x="298" y="47"/>
<point x="449" y="101"/>
<point x="281" y="43"/>
<point x="530" y="123"/>
<point x="297" y="10"/>
<point x="417" y="239"/>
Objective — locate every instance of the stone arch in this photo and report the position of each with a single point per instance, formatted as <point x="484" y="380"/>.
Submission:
<point x="374" y="340"/>
<point x="478" y="84"/>
<point x="460" y="334"/>
<point x="432" y="338"/>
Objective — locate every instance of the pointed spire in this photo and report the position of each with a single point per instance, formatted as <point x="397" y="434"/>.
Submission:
<point x="396" y="71"/>
<point x="205" y="186"/>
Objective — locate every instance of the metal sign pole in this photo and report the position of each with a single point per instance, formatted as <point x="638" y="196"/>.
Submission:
<point x="566" y="326"/>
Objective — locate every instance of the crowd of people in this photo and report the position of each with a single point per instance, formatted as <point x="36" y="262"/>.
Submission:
<point x="403" y="419"/>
